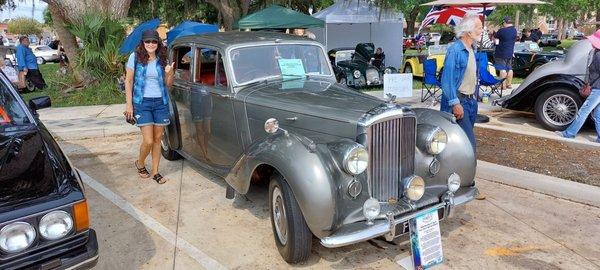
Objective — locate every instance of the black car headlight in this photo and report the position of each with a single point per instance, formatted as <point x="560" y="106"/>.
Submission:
<point x="55" y="225"/>
<point x="356" y="74"/>
<point x="16" y="237"/>
<point x="432" y="139"/>
<point x="387" y="71"/>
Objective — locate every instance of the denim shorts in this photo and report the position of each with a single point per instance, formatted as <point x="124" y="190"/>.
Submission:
<point x="503" y="63"/>
<point x="151" y="111"/>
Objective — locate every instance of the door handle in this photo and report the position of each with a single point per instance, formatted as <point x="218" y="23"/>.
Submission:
<point x="292" y="118"/>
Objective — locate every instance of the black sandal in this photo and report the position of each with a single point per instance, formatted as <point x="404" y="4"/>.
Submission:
<point x="159" y="179"/>
<point x="142" y="172"/>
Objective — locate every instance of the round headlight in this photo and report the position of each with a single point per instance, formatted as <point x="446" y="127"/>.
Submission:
<point x="56" y="225"/>
<point x="387" y="71"/>
<point x="16" y="237"/>
<point x="414" y="188"/>
<point x="356" y="160"/>
<point x="453" y="182"/>
<point x="357" y="74"/>
<point x="271" y="125"/>
<point x="436" y="141"/>
<point x="371" y="208"/>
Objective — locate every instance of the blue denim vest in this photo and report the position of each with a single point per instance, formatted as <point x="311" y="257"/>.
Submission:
<point x="139" y="80"/>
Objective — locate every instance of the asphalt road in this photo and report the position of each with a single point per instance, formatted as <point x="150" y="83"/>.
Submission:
<point x="189" y="224"/>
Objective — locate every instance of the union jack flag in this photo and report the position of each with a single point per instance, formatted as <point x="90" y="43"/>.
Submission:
<point x="452" y="15"/>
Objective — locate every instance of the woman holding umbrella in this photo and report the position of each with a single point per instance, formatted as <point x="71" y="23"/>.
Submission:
<point x="146" y="81"/>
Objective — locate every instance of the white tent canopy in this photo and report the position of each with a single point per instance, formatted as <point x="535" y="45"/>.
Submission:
<point x="349" y="22"/>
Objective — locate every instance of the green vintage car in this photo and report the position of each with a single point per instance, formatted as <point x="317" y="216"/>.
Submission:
<point x="357" y="67"/>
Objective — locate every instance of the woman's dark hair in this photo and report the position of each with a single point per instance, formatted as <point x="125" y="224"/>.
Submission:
<point x="142" y="55"/>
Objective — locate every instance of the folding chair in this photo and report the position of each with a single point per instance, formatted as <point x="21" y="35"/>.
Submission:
<point x="486" y="79"/>
<point x="431" y="87"/>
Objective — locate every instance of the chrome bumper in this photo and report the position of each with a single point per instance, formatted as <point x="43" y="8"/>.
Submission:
<point x="360" y="231"/>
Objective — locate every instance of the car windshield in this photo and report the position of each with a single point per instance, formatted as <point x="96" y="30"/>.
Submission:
<point x="527" y="46"/>
<point x="343" y="55"/>
<point x="11" y="112"/>
<point x="278" y="60"/>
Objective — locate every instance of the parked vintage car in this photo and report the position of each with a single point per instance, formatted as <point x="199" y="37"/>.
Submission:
<point x="528" y="56"/>
<point x="547" y="40"/>
<point x="341" y="165"/>
<point x="44" y="222"/>
<point x="355" y="67"/>
<point x="552" y="91"/>
<point x="413" y="63"/>
<point x="44" y="53"/>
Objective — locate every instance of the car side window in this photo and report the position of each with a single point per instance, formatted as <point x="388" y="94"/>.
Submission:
<point x="182" y="57"/>
<point x="206" y="66"/>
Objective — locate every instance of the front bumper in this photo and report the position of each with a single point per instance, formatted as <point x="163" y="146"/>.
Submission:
<point x="79" y="253"/>
<point x="360" y="231"/>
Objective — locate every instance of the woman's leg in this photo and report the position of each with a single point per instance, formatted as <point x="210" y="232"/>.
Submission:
<point x="158" y="133"/>
<point x="596" y="116"/>
<point x="589" y="104"/>
<point x="146" y="146"/>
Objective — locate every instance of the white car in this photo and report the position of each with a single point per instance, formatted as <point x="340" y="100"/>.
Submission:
<point x="44" y="54"/>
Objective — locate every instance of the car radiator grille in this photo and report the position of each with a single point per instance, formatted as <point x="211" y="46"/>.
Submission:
<point x="391" y="145"/>
<point x="372" y="76"/>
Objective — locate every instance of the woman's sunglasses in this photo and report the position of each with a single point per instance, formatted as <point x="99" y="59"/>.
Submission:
<point x="150" y="41"/>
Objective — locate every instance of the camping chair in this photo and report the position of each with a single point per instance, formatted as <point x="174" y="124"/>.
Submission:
<point x="431" y="84"/>
<point x="487" y="81"/>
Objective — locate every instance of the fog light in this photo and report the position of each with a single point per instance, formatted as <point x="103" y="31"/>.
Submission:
<point x="354" y="189"/>
<point x="414" y="188"/>
<point x="453" y="182"/>
<point x="16" y="237"/>
<point x="55" y="225"/>
<point x="371" y="209"/>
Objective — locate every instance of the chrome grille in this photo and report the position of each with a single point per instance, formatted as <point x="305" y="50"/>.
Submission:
<point x="391" y="145"/>
<point x="372" y="76"/>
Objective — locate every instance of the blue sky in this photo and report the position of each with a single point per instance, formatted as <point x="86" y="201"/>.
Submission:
<point x="24" y="10"/>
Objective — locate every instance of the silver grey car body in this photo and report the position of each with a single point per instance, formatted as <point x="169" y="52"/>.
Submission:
<point x="552" y="90"/>
<point x="320" y="121"/>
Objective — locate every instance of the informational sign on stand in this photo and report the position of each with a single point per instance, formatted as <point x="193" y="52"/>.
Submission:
<point x="426" y="240"/>
<point x="399" y="85"/>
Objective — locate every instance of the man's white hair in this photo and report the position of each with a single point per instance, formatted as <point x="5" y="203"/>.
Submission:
<point x="466" y="25"/>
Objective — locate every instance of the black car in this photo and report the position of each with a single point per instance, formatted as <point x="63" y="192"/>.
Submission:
<point x="44" y="222"/>
<point x="528" y="56"/>
<point x="358" y="67"/>
<point x="548" y="41"/>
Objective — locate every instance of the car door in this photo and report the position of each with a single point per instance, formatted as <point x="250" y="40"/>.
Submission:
<point x="182" y="56"/>
<point x="213" y="112"/>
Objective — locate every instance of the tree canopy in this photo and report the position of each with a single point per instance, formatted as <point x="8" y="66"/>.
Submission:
<point x="24" y="26"/>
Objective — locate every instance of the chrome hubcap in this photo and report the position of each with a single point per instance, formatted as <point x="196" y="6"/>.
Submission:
<point x="163" y="143"/>
<point x="560" y="110"/>
<point x="279" y="216"/>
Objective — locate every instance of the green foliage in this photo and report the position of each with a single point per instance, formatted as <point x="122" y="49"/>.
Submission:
<point x="173" y="12"/>
<point x="24" y="26"/>
<point x="101" y="37"/>
<point x="47" y="17"/>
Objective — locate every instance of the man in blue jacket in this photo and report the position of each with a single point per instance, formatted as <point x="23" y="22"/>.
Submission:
<point x="460" y="77"/>
<point x="27" y="64"/>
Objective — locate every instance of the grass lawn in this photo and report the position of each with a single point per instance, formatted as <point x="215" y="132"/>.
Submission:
<point x="102" y="93"/>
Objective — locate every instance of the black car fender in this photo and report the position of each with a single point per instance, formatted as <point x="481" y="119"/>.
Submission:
<point x="526" y="98"/>
<point x="172" y="130"/>
<point x="304" y="168"/>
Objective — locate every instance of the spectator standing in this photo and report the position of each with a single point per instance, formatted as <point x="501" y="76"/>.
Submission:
<point x="27" y="65"/>
<point x="459" y="78"/>
<point x="503" y="55"/>
<point x="379" y="58"/>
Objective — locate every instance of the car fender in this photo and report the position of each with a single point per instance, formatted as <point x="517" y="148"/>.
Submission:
<point x="525" y="99"/>
<point x="172" y="130"/>
<point x="306" y="168"/>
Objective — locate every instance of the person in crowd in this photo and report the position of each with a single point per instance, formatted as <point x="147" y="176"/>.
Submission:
<point x="536" y="34"/>
<point x="526" y="35"/>
<point x="27" y="65"/>
<point x="592" y="102"/>
<point x="379" y="58"/>
<point x="503" y="54"/>
<point x="148" y="77"/>
<point x="459" y="78"/>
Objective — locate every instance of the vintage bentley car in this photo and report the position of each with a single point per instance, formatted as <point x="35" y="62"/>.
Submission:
<point x="44" y="222"/>
<point x="341" y="165"/>
<point x="356" y="67"/>
<point x="552" y="91"/>
<point x="528" y="57"/>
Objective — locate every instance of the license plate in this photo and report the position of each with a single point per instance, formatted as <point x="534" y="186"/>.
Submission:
<point x="426" y="240"/>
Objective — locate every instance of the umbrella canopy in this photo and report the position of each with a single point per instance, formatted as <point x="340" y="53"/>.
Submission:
<point x="278" y="17"/>
<point x="482" y="2"/>
<point x="196" y="27"/>
<point x="195" y="30"/>
<point x="135" y="36"/>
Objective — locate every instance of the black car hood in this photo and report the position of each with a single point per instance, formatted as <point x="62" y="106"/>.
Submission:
<point x="31" y="167"/>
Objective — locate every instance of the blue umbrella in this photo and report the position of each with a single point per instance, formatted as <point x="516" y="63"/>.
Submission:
<point x="196" y="30"/>
<point x="195" y="27"/>
<point x="135" y="37"/>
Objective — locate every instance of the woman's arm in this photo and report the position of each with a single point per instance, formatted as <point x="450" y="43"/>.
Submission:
<point x="169" y="74"/>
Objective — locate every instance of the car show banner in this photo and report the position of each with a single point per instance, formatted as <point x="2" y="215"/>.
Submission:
<point x="426" y="240"/>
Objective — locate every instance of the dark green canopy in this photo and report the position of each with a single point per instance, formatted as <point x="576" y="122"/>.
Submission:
<point x="278" y="17"/>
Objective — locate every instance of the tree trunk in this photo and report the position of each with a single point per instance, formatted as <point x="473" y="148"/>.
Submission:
<point x="560" y="27"/>
<point x="412" y="18"/>
<point x="67" y="40"/>
<point x="598" y="19"/>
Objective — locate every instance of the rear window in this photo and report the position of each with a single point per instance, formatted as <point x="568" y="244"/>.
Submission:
<point x="11" y="112"/>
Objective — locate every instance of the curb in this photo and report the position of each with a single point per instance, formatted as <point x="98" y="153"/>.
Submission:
<point x="553" y="186"/>
<point x="81" y="134"/>
<point x="535" y="134"/>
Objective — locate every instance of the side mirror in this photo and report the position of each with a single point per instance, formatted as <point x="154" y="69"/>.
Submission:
<point x="39" y="103"/>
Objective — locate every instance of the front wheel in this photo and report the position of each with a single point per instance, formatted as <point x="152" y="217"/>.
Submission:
<point x="556" y="109"/>
<point x="292" y="236"/>
<point x="40" y="61"/>
<point x="165" y="149"/>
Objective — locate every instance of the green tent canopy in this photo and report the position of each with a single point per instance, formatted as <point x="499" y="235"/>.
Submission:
<point x="278" y="17"/>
